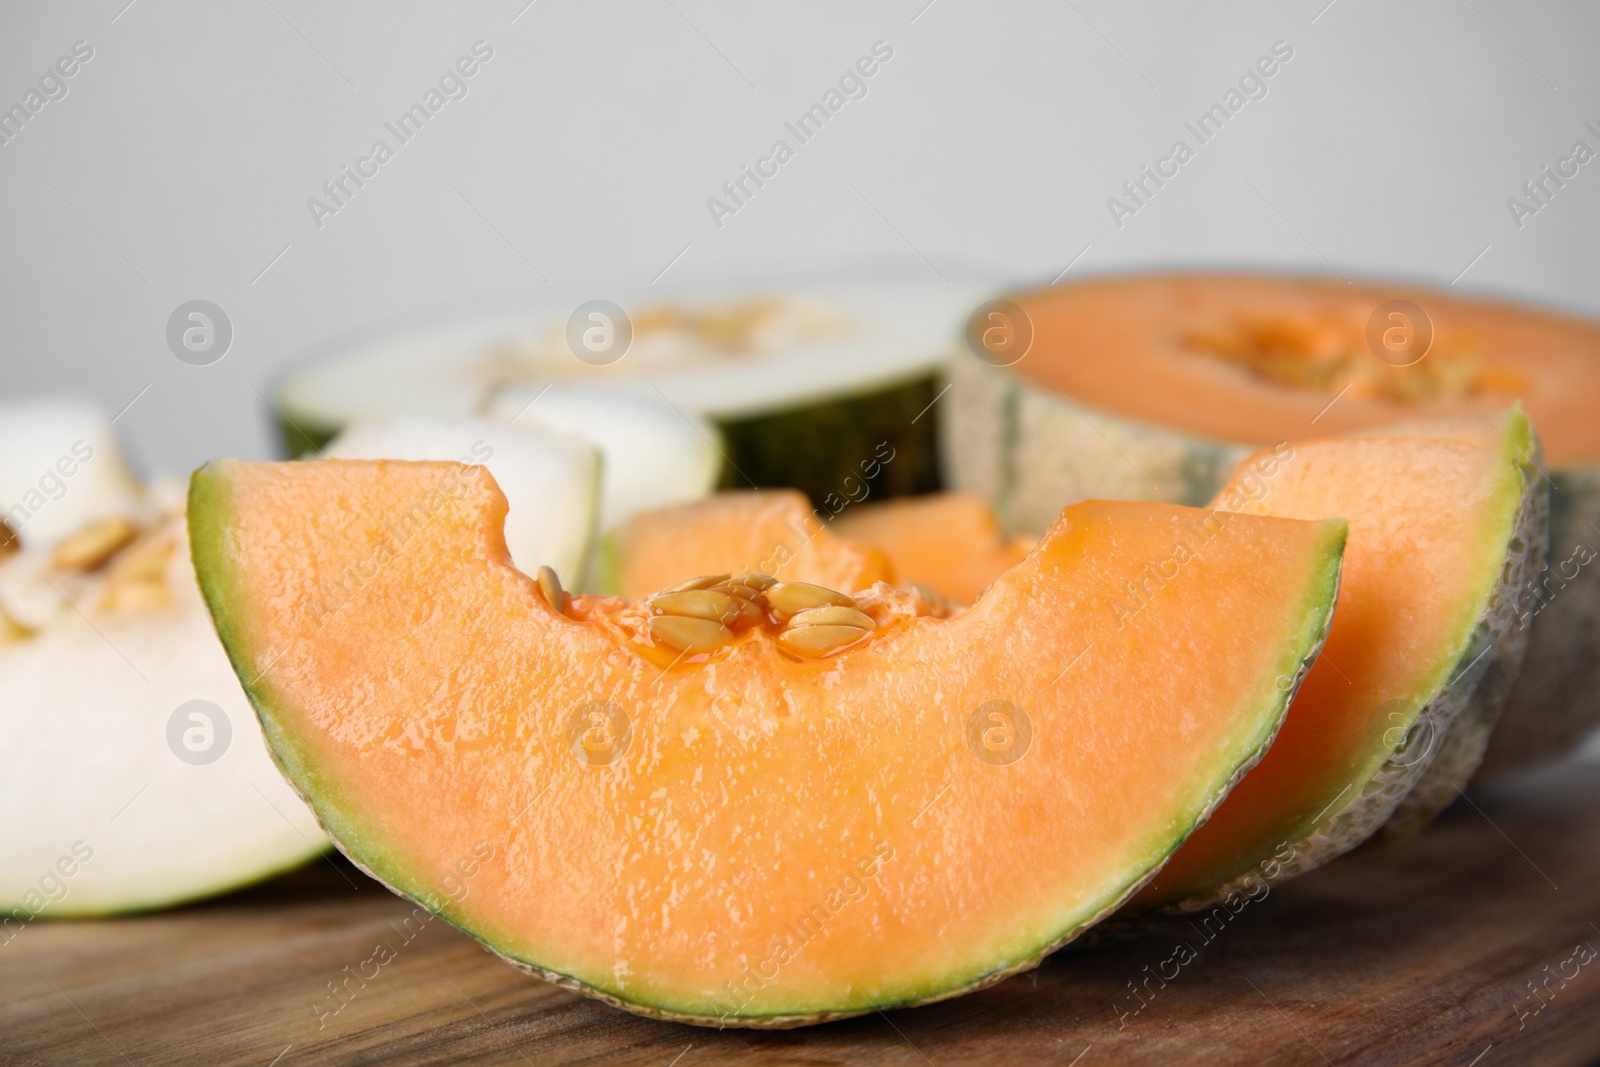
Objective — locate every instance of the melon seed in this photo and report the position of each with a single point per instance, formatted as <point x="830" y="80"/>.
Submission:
<point x="9" y="542"/>
<point x="550" y="586"/>
<point x="833" y="615"/>
<point x="705" y="581"/>
<point x="789" y="598"/>
<point x="697" y="604"/>
<point x="817" y="641"/>
<point x="689" y="634"/>
<point x="758" y="582"/>
<point x="93" y="545"/>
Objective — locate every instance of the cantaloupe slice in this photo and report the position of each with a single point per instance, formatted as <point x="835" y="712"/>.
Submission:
<point x="1153" y="387"/>
<point x="769" y="531"/>
<point x="1445" y="527"/>
<point x="948" y="542"/>
<point x="742" y="836"/>
<point x="552" y="481"/>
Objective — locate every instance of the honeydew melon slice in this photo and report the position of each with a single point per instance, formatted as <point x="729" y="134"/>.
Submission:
<point x="131" y="767"/>
<point x="803" y="381"/>
<point x="653" y="454"/>
<point x="552" y="481"/>
<point x="742" y="836"/>
<point x="1445" y="527"/>
<point x="1153" y="387"/>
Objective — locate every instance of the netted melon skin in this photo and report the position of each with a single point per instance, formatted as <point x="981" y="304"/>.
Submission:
<point x="1030" y="451"/>
<point x="1555" y="701"/>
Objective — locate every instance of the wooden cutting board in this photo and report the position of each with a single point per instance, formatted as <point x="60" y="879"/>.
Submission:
<point x="1424" y="953"/>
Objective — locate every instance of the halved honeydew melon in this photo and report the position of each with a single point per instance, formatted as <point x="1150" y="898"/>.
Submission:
<point x="552" y="481"/>
<point x="1445" y="527"/>
<point x="652" y="453"/>
<point x="131" y="767"/>
<point x="802" y="381"/>
<point x="771" y="531"/>
<point x="1154" y="387"/>
<point x="745" y="836"/>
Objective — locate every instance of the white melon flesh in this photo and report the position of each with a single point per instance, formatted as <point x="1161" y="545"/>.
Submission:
<point x="60" y="469"/>
<point x="90" y="782"/>
<point x="654" y="454"/>
<point x="551" y="481"/>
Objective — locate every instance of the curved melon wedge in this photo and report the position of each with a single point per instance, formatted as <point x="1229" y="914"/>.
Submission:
<point x="767" y="531"/>
<point x="675" y="840"/>
<point x="1446" y="526"/>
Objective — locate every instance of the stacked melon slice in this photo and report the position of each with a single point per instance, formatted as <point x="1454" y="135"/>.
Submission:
<point x="730" y="832"/>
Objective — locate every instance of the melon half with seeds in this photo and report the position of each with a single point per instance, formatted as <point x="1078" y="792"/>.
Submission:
<point x="842" y="803"/>
<point x="1154" y="387"/>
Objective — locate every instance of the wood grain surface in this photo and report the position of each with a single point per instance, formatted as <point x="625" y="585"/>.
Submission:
<point x="1468" y="946"/>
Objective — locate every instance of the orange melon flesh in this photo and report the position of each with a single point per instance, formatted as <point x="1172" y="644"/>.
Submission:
<point x="949" y="542"/>
<point x="1430" y="518"/>
<point x="1136" y="347"/>
<point x="772" y="532"/>
<point x="762" y="801"/>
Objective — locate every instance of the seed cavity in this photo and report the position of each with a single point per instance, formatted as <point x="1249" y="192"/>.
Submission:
<point x="706" y="613"/>
<point x="91" y="547"/>
<point x="550" y="586"/>
<point x="791" y="598"/>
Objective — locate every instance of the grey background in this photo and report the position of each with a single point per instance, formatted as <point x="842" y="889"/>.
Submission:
<point x="179" y="164"/>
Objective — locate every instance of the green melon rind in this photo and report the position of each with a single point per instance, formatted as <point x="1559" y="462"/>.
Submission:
<point x="818" y="447"/>
<point x="1030" y="451"/>
<point x="1555" y="701"/>
<point x="219" y="584"/>
<point x="1448" y="724"/>
<point x="1462" y="718"/>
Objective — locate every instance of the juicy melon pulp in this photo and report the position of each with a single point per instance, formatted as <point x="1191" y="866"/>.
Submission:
<point x="772" y="531"/>
<point x="1433" y="518"/>
<point x="948" y="542"/>
<point x="1247" y="358"/>
<point x="748" y="802"/>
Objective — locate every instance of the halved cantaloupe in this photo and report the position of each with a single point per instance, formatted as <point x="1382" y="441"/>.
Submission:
<point x="1445" y="526"/>
<point x="948" y="542"/>
<point x="769" y="531"/>
<point x="744" y="837"/>
<point x="1154" y="387"/>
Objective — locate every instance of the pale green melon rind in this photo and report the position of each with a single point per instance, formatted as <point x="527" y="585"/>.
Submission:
<point x="1443" y="711"/>
<point x="1030" y="451"/>
<point x="221" y="584"/>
